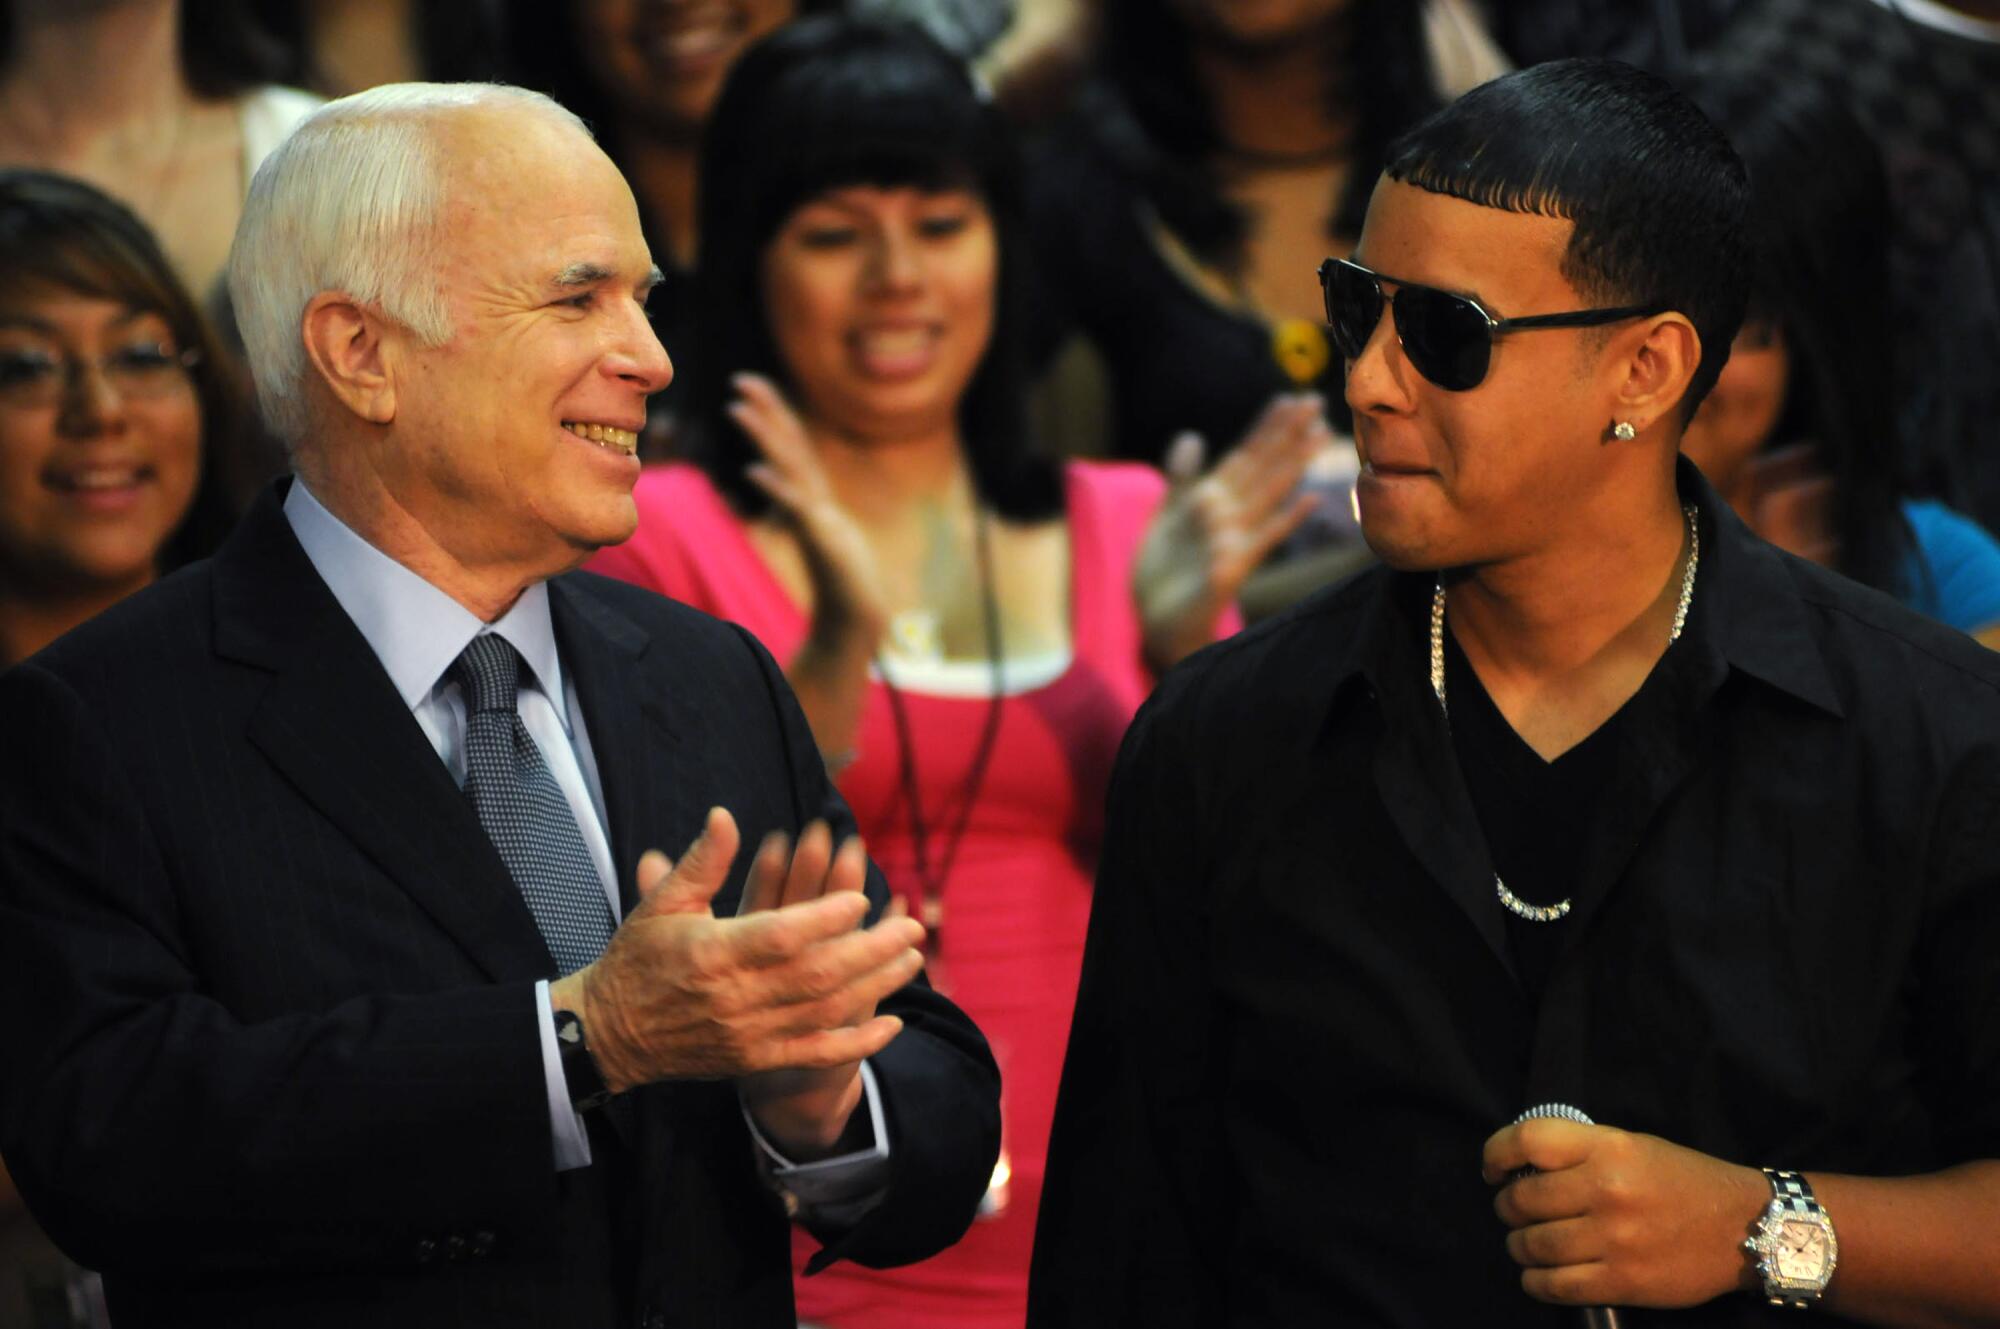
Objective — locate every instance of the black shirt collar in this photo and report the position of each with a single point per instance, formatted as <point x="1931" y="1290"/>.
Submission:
<point x="1748" y="617"/>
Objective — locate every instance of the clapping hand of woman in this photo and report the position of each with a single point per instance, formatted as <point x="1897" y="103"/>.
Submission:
<point x="1215" y="529"/>
<point x="850" y="607"/>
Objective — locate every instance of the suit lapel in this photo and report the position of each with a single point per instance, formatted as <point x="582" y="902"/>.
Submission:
<point x="638" y="754"/>
<point x="334" y="727"/>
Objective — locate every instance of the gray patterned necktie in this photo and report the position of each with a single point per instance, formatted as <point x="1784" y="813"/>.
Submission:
<point x="524" y="811"/>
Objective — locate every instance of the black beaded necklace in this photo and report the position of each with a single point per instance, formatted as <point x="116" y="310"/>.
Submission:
<point x="931" y="883"/>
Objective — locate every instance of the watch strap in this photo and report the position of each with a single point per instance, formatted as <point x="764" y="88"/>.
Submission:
<point x="584" y="1081"/>
<point x="1792" y="1197"/>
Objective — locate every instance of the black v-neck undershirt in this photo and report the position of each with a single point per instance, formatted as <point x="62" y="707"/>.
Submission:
<point x="1535" y="815"/>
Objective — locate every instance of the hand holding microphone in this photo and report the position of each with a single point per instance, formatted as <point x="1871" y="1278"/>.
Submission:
<point x="1599" y="1217"/>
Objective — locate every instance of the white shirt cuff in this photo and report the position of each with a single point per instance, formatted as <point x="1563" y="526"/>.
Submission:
<point x="572" y="1142"/>
<point x="841" y="1180"/>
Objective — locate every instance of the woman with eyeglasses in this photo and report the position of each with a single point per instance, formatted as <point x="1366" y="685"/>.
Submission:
<point x="1800" y="434"/>
<point x="956" y="612"/>
<point x="112" y="409"/>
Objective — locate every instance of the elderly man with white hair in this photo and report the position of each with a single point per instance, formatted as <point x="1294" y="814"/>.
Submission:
<point x="346" y="981"/>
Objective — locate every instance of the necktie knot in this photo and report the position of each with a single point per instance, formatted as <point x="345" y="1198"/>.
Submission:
<point x="489" y="670"/>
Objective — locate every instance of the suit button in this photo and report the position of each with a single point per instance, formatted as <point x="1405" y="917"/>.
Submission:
<point x="426" y="1250"/>
<point x="482" y="1244"/>
<point x="653" y="1320"/>
<point x="455" y="1247"/>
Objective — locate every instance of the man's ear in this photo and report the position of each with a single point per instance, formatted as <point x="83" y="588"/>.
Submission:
<point x="1661" y="363"/>
<point x="346" y="344"/>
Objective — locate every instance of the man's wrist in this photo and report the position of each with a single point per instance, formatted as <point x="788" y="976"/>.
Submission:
<point x="807" y="1123"/>
<point x="571" y="994"/>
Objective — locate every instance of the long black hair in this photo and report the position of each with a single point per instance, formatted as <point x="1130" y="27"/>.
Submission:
<point x="1820" y="223"/>
<point x="60" y="233"/>
<point x="823" y="103"/>
<point x="1152" y="119"/>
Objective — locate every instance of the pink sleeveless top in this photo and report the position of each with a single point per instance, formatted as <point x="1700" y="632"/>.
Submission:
<point x="1018" y="897"/>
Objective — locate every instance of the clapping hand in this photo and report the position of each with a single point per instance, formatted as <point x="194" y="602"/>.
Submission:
<point x="781" y="997"/>
<point x="1604" y="1217"/>
<point x="849" y="604"/>
<point x="1214" y="530"/>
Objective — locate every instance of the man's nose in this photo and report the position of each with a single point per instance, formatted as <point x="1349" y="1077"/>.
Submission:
<point x="1377" y="379"/>
<point x="641" y="359"/>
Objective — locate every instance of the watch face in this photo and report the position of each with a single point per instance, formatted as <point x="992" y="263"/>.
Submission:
<point x="1801" y="1251"/>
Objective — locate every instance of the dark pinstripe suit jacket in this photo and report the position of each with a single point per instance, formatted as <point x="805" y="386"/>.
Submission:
<point x="268" y="1051"/>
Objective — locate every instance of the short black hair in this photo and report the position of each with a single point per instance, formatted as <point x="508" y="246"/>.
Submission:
<point x="820" y="104"/>
<point x="58" y="233"/>
<point x="1656" y="196"/>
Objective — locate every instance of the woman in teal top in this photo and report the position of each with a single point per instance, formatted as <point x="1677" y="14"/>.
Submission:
<point x="1799" y="434"/>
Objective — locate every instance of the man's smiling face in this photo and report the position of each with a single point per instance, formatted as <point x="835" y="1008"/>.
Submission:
<point x="514" y="443"/>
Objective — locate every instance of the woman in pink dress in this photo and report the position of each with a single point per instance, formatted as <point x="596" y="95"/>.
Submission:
<point x="968" y="626"/>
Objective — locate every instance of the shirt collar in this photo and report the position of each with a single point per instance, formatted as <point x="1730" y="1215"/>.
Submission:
<point x="1755" y="619"/>
<point x="415" y="629"/>
<point x="1748" y="616"/>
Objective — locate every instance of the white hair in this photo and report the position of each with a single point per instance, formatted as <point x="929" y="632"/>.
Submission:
<point x="351" y="202"/>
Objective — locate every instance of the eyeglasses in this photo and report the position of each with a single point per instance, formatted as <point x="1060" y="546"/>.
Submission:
<point x="1448" y="338"/>
<point x="147" y="369"/>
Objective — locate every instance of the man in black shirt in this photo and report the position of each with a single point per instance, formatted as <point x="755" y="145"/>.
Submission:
<point x="1586" y="797"/>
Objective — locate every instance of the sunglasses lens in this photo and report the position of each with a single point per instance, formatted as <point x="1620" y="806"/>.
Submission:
<point x="1353" y="307"/>
<point x="1445" y="337"/>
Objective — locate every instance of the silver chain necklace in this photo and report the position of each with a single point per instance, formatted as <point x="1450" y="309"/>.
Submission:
<point x="1549" y="913"/>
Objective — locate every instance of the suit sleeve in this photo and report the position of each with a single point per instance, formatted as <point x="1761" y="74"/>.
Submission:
<point x="152" y="1131"/>
<point x="940" y="1086"/>
<point x="1132" y="1224"/>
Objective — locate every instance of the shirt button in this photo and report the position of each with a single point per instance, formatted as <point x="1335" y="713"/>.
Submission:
<point x="791" y="1202"/>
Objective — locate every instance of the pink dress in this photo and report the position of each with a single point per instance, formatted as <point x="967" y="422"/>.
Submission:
<point x="1018" y="896"/>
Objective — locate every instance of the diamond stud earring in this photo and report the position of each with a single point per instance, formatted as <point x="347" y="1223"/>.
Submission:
<point x="1623" y="431"/>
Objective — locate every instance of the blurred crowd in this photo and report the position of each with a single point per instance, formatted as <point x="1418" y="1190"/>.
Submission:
<point x="1104" y="218"/>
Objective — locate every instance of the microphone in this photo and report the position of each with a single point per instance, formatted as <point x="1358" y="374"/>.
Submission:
<point x="1590" y="1317"/>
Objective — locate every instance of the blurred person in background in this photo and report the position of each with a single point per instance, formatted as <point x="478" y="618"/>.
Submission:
<point x="110" y="402"/>
<point x="645" y="74"/>
<point x="1923" y="76"/>
<point x="167" y="108"/>
<point x="1800" y="434"/>
<point x="957" y="612"/>
<point x="343" y="46"/>
<point x="112" y="411"/>
<point x="1217" y="152"/>
<point x="1215" y="155"/>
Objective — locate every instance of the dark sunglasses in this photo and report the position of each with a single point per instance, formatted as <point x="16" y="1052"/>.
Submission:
<point x="1448" y="338"/>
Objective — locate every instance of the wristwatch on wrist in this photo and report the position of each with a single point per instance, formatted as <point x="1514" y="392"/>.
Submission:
<point x="1794" y="1243"/>
<point x="586" y="1083"/>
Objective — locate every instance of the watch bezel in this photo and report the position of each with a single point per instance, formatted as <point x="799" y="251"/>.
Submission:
<point x="1779" y="1288"/>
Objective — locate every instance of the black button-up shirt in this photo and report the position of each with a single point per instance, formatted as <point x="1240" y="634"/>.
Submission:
<point x="1301" y="1016"/>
